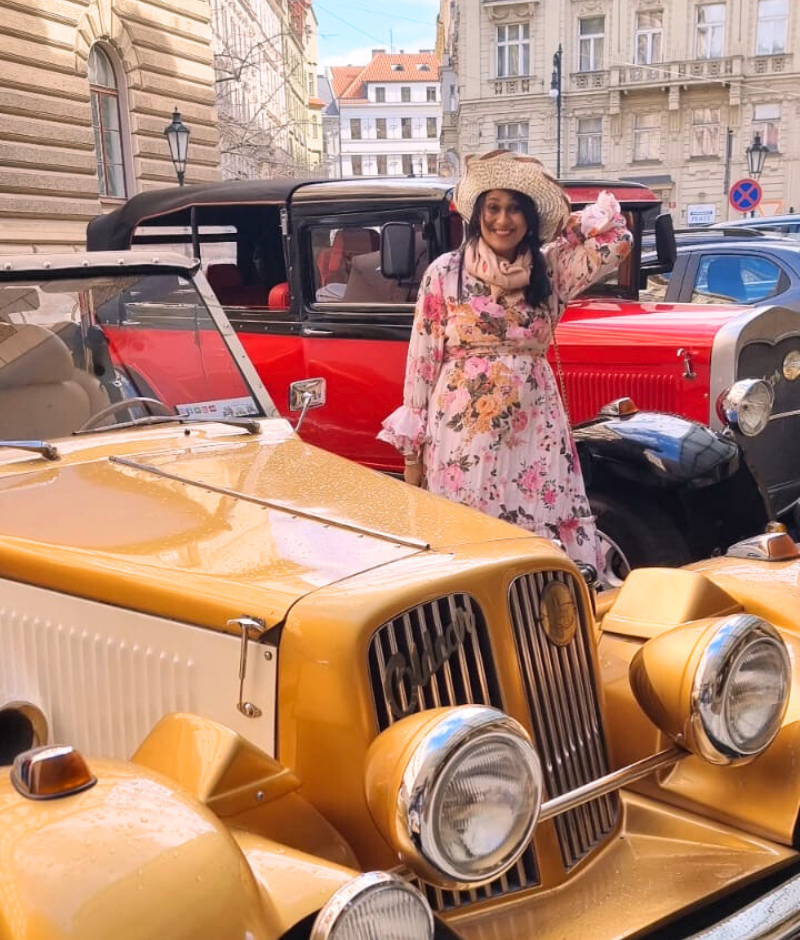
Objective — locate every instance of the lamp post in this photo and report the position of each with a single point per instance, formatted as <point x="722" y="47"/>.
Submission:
<point x="177" y="134"/>
<point x="756" y="156"/>
<point x="555" y="94"/>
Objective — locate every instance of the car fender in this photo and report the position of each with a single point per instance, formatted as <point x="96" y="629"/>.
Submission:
<point x="655" y="450"/>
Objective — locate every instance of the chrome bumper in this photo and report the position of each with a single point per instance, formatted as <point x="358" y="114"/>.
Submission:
<point x="775" y="916"/>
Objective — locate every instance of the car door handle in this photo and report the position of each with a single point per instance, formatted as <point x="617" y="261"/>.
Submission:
<point x="317" y="332"/>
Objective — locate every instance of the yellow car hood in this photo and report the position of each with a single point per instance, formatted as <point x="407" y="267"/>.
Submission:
<point x="210" y="522"/>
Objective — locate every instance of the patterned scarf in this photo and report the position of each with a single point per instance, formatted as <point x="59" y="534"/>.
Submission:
<point x="506" y="279"/>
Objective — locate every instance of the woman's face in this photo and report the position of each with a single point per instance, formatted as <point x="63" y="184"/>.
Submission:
<point x="503" y="223"/>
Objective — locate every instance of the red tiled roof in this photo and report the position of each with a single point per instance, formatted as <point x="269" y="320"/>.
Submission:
<point x="349" y="80"/>
<point x="342" y="77"/>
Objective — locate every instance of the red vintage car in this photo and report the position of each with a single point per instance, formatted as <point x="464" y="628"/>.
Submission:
<point x="309" y="276"/>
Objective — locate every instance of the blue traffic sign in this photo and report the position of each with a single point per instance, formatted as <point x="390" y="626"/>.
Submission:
<point x="745" y="195"/>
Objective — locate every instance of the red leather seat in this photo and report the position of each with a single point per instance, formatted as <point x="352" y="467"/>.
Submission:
<point x="279" y="297"/>
<point x="226" y="282"/>
<point x="334" y="262"/>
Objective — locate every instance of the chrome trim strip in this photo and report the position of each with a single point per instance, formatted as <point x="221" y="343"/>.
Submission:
<point x="785" y="414"/>
<point x="271" y="504"/>
<point x="563" y="702"/>
<point x="775" y="916"/>
<point x="611" y="782"/>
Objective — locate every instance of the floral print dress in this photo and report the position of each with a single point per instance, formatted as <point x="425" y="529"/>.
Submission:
<point x="481" y="403"/>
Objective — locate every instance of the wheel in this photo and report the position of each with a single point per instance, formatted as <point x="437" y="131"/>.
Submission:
<point x="633" y="532"/>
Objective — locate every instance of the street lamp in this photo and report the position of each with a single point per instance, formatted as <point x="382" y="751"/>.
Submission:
<point x="756" y="155"/>
<point x="177" y="134"/>
<point x="555" y="94"/>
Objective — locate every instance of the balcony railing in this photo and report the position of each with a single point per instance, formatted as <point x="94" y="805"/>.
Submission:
<point x="667" y="73"/>
<point x="588" y="81"/>
<point x="517" y="85"/>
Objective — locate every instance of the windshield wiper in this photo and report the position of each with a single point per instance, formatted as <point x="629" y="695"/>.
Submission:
<point x="48" y="451"/>
<point x="250" y="424"/>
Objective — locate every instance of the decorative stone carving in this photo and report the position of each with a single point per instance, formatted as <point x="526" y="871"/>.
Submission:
<point x="501" y="10"/>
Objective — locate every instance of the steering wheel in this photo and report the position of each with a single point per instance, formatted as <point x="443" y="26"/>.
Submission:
<point x="116" y="406"/>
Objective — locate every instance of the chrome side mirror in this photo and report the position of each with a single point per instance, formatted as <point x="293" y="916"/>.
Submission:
<point x="304" y="395"/>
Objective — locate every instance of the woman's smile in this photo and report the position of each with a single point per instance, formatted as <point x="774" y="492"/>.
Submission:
<point x="503" y="223"/>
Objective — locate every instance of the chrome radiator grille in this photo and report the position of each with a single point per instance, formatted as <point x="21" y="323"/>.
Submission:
<point x="565" y="715"/>
<point x="439" y="654"/>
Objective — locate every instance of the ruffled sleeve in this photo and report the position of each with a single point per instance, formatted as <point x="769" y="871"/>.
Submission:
<point x="407" y="427"/>
<point x="593" y="243"/>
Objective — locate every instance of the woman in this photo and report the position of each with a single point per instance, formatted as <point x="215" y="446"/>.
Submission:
<point x="482" y="421"/>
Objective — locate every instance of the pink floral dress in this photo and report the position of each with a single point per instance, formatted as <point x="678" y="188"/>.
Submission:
<point x="481" y="403"/>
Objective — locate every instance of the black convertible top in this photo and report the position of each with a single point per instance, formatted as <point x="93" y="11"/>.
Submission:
<point x="115" y="230"/>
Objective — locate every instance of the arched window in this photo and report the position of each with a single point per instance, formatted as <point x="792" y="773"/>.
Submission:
<point x="107" y="122"/>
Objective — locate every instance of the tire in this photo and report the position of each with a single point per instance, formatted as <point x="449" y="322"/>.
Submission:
<point x="635" y="531"/>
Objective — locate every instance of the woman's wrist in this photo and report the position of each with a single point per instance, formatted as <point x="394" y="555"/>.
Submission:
<point x="411" y="460"/>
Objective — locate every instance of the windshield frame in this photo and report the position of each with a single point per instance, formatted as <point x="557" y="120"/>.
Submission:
<point x="119" y="264"/>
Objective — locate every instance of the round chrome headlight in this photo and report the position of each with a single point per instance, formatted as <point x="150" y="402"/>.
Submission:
<point x="747" y="406"/>
<point x="791" y="365"/>
<point x="376" y="904"/>
<point x="470" y="795"/>
<point x="741" y="690"/>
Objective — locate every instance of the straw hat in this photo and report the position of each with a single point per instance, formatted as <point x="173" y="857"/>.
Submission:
<point x="502" y="169"/>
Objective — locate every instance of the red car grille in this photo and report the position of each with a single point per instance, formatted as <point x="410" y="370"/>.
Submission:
<point x="588" y="391"/>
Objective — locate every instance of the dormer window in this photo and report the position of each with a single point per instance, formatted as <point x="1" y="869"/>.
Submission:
<point x="398" y="68"/>
<point x="422" y="67"/>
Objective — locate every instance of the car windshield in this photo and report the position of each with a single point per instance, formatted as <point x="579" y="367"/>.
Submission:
<point x="97" y="352"/>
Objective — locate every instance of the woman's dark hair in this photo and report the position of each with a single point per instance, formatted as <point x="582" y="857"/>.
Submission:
<point x="539" y="287"/>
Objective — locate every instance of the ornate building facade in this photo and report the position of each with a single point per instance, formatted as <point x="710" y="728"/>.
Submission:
<point x="265" y="62"/>
<point x="86" y="90"/>
<point x="669" y="92"/>
<point x="389" y="115"/>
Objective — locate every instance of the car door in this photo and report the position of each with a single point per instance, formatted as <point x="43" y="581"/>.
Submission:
<point x="744" y="276"/>
<point x="355" y="325"/>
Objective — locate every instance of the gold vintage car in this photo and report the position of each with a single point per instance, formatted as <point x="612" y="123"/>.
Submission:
<point x="250" y="689"/>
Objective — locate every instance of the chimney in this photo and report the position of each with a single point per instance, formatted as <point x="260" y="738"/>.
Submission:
<point x="378" y="52"/>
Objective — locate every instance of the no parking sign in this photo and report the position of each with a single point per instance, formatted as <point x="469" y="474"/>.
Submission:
<point x="745" y="195"/>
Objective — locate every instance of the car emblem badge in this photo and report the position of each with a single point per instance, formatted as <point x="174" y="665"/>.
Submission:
<point x="559" y="614"/>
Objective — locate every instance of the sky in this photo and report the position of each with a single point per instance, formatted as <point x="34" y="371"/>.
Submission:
<point x="349" y="30"/>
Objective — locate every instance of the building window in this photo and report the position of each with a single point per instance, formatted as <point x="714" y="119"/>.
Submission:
<point x="710" y="31"/>
<point x="107" y="124"/>
<point x="356" y="166"/>
<point x="355" y="128"/>
<point x="767" y="122"/>
<point x="381" y="160"/>
<point x="431" y="127"/>
<point x="591" y="33"/>
<point x="513" y="50"/>
<point x="433" y="164"/>
<point x="405" y="127"/>
<point x="380" y="95"/>
<point x="647" y="136"/>
<point x="430" y="93"/>
<point x="590" y="141"/>
<point x="772" y="17"/>
<point x="513" y="137"/>
<point x="405" y="93"/>
<point x="705" y="132"/>
<point x="406" y="158"/>
<point x="380" y="128"/>
<point x="648" y="37"/>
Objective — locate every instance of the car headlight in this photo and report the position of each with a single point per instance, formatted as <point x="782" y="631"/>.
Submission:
<point x="791" y="365"/>
<point x="747" y="406"/>
<point x="717" y="687"/>
<point x="375" y="904"/>
<point x="741" y="689"/>
<point x="456" y="792"/>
